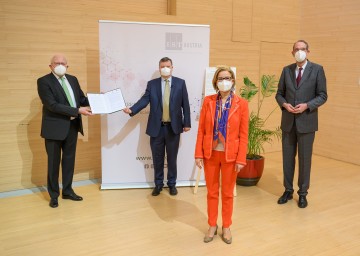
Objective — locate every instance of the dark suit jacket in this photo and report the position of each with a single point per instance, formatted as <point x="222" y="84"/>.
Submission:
<point x="179" y="106"/>
<point x="311" y="90"/>
<point x="56" y="108"/>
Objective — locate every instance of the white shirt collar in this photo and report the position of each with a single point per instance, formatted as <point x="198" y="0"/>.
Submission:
<point x="58" y="77"/>
<point x="303" y="66"/>
<point x="163" y="79"/>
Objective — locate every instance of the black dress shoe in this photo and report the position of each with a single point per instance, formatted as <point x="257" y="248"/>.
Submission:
<point x="285" y="197"/>
<point x="73" y="197"/>
<point x="302" y="202"/>
<point x="173" y="191"/>
<point x="156" y="191"/>
<point x="53" y="203"/>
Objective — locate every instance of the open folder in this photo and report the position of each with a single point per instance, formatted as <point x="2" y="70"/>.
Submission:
<point x="106" y="103"/>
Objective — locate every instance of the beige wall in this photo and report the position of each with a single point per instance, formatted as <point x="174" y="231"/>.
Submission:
<point x="333" y="31"/>
<point x="254" y="36"/>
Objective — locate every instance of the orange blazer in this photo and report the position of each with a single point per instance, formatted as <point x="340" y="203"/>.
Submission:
<point x="237" y="130"/>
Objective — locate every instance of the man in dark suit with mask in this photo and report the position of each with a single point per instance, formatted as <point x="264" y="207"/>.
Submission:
<point x="169" y="117"/>
<point x="301" y="91"/>
<point x="63" y="104"/>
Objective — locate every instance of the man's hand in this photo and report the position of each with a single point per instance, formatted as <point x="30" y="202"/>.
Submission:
<point x="300" y="108"/>
<point x="186" y="129"/>
<point x="127" y="110"/>
<point x="86" y="111"/>
<point x="289" y="108"/>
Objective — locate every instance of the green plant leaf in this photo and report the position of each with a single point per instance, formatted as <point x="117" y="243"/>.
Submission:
<point x="268" y="85"/>
<point x="249" y="90"/>
<point x="258" y="134"/>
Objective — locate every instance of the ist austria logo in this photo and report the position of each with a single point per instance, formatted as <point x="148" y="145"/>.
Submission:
<point x="173" y="41"/>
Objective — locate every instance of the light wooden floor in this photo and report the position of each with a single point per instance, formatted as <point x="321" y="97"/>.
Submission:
<point x="132" y="222"/>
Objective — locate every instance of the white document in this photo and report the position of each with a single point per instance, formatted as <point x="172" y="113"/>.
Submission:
<point x="106" y="103"/>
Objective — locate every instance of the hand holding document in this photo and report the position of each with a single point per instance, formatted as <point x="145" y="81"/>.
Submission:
<point x="106" y="103"/>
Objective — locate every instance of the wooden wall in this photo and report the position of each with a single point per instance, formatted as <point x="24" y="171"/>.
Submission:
<point x="333" y="31"/>
<point x="31" y="32"/>
<point x="254" y="36"/>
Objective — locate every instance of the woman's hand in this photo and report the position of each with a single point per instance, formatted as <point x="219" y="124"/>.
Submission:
<point x="238" y="167"/>
<point x="199" y="162"/>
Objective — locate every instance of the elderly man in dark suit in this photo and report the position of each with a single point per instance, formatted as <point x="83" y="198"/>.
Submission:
<point x="63" y="104"/>
<point x="169" y="117"/>
<point x="301" y="91"/>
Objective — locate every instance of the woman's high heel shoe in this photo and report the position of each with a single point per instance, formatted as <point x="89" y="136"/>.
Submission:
<point x="227" y="241"/>
<point x="208" y="238"/>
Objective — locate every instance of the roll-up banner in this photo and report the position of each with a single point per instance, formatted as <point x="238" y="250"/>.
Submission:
<point x="129" y="58"/>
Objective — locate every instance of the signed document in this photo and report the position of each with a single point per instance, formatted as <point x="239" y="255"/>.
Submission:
<point x="106" y="103"/>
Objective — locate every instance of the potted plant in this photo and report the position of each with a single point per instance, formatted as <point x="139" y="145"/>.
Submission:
<point x="258" y="134"/>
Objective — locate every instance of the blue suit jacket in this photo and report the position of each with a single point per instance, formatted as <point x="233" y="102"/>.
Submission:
<point x="179" y="106"/>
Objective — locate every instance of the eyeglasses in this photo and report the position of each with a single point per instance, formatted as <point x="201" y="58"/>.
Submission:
<point x="59" y="63"/>
<point x="227" y="78"/>
<point x="298" y="49"/>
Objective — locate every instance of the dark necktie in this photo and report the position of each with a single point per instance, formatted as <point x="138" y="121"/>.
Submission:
<point x="298" y="77"/>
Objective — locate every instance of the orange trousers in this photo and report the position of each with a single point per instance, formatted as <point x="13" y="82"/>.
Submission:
<point x="214" y="167"/>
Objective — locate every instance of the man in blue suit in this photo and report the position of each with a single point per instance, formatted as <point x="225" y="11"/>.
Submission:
<point x="169" y="117"/>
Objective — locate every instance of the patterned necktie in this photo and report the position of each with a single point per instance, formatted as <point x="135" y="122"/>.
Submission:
<point x="63" y="84"/>
<point x="166" y="100"/>
<point x="298" y="77"/>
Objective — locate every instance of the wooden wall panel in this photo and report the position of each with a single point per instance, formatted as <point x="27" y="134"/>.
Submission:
<point x="276" y="21"/>
<point x="31" y="32"/>
<point x="242" y="11"/>
<point x="171" y="7"/>
<point x="333" y="32"/>
<point x="34" y="30"/>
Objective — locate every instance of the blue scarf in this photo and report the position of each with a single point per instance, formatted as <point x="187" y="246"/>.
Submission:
<point x="221" y="118"/>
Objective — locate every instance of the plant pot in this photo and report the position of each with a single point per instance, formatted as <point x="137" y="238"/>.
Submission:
<point x="251" y="173"/>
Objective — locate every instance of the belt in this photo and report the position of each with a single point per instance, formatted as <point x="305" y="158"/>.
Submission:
<point x="165" y="123"/>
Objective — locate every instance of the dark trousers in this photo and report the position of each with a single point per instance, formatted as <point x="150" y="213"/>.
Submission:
<point x="64" y="151"/>
<point x="292" y="142"/>
<point x="166" y="140"/>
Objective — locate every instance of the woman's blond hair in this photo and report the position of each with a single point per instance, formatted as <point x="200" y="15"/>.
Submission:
<point x="220" y="69"/>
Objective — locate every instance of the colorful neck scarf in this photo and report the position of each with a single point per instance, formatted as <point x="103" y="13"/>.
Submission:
<point x="221" y="118"/>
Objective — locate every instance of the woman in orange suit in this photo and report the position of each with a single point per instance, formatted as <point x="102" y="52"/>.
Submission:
<point x="221" y="148"/>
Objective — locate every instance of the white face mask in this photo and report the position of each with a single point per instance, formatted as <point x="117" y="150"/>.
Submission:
<point x="224" y="85"/>
<point x="60" y="70"/>
<point x="300" y="56"/>
<point x="165" y="71"/>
